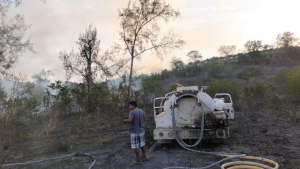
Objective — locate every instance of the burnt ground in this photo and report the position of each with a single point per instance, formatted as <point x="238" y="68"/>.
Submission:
<point x="271" y="135"/>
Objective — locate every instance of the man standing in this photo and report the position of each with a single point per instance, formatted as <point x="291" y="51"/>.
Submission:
<point x="137" y="133"/>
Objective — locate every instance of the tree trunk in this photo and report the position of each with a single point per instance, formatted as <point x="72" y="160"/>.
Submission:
<point x="89" y="83"/>
<point x="130" y="77"/>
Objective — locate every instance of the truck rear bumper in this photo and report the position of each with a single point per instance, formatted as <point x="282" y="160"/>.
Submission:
<point x="167" y="133"/>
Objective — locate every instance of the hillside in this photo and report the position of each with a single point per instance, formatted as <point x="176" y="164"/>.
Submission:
<point x="266" y="123"/>
<point x="93" y="56"/>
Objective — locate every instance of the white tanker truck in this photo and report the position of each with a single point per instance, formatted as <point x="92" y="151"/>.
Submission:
<point x="189" y="105"/>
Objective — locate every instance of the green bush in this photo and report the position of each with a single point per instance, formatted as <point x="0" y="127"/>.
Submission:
<point x="100" y="95"/>
<point x="281" y="75"/>
<point x="255" y="57"/>
<point x="224" y="86"/>
<point x="164" y="74"/>
<point x="178" y="67"/>
<point x="218" y="70"/>
<point x="253" y="94"/>
<point x="248" y="72"/>
<point x="229" y="59"/>
<point x="243" y="58"/>
<point x="150" y="85"/>
<point x="214" y="70"/>
<point x="194" y="68"/>
<point x="61" y="100"/>
<point x="293" y="81"/>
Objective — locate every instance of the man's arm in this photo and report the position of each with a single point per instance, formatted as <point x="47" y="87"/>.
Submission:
<point x="129" y="120"/>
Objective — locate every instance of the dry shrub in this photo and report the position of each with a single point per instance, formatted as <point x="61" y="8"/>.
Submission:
<point x="278" y="101"/>
<point x="17" y="155"/>
<point x="83" y="123"/>
<point x="294" y="115"/>
<point x="7" y="129"/>
<point x="17" y="105"/>
<point x="49" y="124"/>
<point x="100" y="141"/>
<point x="173" y="86"/>
<point x="253" y="95"/>
<point x="62" y="144"/>
<point x="240" y="105"/>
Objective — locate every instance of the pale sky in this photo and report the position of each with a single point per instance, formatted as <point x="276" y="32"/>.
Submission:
<point x="205" y="25"/>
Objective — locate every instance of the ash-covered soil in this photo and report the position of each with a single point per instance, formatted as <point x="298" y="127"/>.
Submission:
<point x="259" y="133"/>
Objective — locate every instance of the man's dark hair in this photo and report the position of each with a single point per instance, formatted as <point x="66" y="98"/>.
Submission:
<point x="133" y="103"/>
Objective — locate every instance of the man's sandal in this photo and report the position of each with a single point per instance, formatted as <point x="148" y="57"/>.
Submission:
<point x="135" y="162"/>
<point x="146" y="158"/>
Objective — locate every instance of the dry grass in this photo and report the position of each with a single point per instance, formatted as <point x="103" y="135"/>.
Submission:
<point x="294" y="115"/>
<point x="62" y="144"/>
<point x="17" y="155"/>
<point x="3" y="158"/>
<point x="83" y="123"/>
<point x="100" y="141"/>
<point x="49" y="124"/>
<point x="7" y="129"/>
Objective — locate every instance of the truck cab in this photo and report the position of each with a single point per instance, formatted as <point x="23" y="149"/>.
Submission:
<point x="228" y="103"/>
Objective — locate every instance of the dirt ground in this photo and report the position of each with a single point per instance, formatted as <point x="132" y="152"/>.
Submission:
<point x="265" y="134"/>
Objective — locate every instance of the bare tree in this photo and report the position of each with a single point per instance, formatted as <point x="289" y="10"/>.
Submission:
<point x="194" y="56"/>
<point x="254" y="49"/>
<point x="286" y="39"/>
<point x="141" y="30"/>
<point x="88" y="63"/>
<point x="253" y="46"/>
<point x="12" y="45"/>
<point x="225" y="50"/>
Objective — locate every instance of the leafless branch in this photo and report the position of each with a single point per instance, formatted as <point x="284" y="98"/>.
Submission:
<point x="3" y="160"/>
